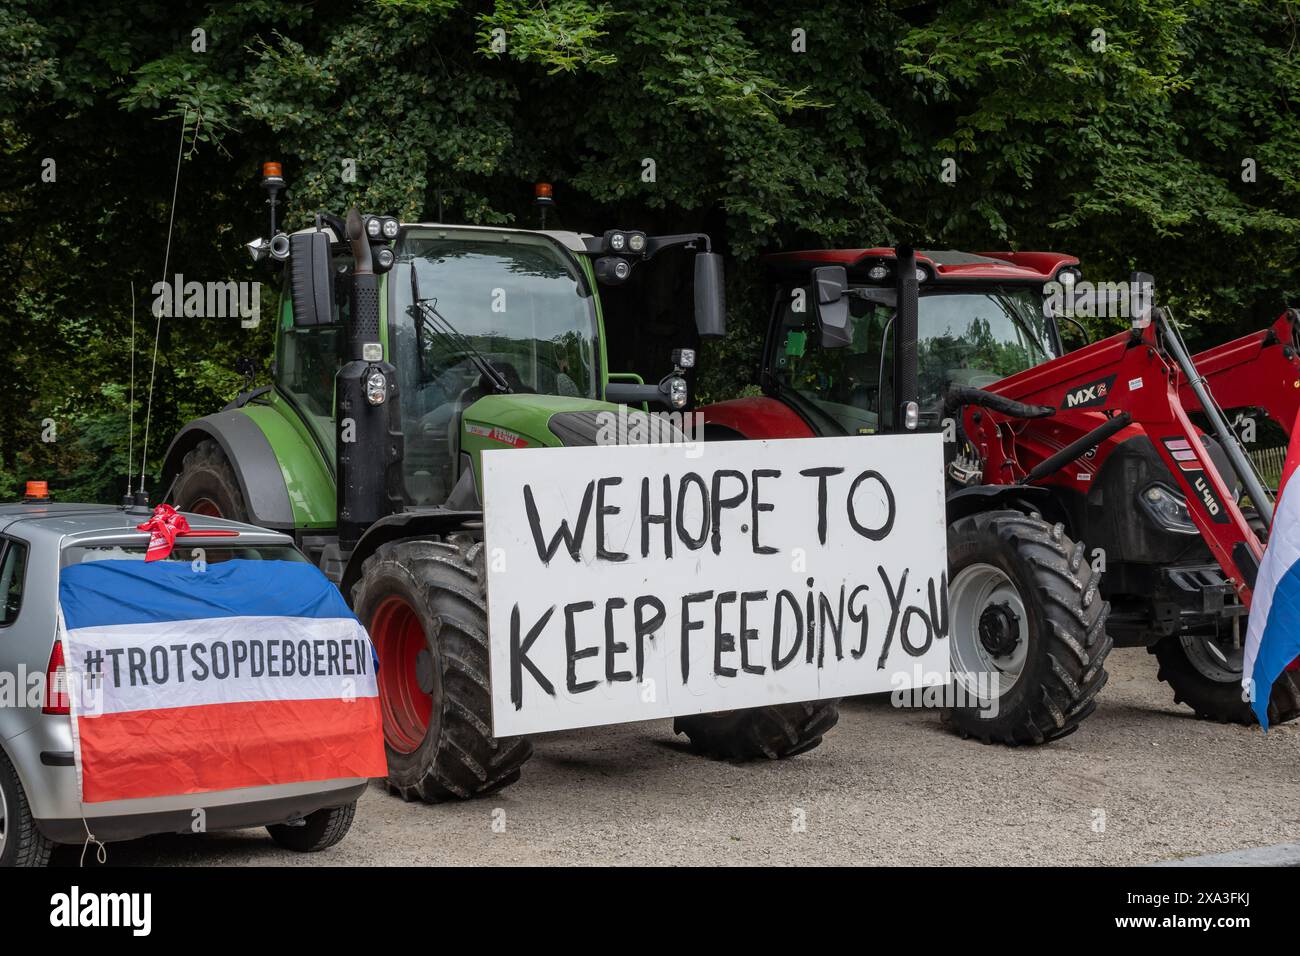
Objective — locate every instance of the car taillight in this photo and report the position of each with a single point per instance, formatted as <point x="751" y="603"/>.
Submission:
<point x="56" y="683"/>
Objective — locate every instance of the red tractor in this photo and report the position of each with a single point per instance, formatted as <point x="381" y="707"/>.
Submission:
<point x="1046" y="450"/>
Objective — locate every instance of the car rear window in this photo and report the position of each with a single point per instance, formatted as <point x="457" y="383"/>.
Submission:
<point x="212" y="553"/>
<point x="13" y="564"/>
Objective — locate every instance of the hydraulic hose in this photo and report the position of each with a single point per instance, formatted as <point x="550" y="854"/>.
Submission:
<point x="956" y="396"/>
<point x="1054" y="463"/>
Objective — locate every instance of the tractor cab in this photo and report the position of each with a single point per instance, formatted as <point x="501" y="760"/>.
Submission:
<point x="980" y="318"/>
<point x="523" y="308"/>
<point x="466" y="313"/>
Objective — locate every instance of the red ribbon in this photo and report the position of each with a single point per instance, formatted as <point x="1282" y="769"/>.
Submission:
<point x="163" y="527"/>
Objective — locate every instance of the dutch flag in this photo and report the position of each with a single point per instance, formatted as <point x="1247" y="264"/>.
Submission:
<point x="1273" y="634"/>
<point x="191" y="679"/>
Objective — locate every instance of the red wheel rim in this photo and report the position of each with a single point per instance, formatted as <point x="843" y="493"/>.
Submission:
<point x="206" y="507"/>
<point x="399" y="640"/>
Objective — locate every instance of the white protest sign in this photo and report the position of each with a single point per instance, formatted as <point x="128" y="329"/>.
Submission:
<point x="635" y="582"/>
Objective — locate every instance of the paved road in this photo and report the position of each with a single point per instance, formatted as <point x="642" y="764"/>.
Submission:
<point x="887" y="787"/>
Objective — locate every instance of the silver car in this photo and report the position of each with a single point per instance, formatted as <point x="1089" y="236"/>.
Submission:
<point x="39" y="804"/>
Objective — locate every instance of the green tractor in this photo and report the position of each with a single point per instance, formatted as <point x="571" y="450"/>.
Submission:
<point x="404" y="351"/>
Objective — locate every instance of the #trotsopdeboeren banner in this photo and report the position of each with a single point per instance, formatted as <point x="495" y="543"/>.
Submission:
<point x="191" y="678"/>
<point x="638" y="582"/>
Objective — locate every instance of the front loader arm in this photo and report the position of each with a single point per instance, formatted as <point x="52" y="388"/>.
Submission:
<point x="1125" y="374"/>
<point x="1259" y="370"/>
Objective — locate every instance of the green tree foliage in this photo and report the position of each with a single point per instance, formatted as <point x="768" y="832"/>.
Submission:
<point x="1135" y="133"/>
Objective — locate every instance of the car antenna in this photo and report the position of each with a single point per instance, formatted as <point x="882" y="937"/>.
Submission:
<point x="141" y="498"/>
<point x="130" y="441"/>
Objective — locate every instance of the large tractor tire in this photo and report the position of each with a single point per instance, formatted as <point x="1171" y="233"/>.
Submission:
<point x="1204" y="672"/>
<point x="783" y="730"/>
<point x="424" y="603"/>
<point x="207" y="484"/>
<point x="1023" y="607"/>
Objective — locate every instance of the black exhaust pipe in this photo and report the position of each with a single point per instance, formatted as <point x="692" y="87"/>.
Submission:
<point x="906" y="408"/>
<point x="368" y="433"/>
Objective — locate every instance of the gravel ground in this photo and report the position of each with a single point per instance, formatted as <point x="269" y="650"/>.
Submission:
<point x="888" y="786"/>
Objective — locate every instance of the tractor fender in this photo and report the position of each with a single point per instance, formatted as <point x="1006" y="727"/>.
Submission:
<point x="250" y="455"/>
<point x="968" y="501"/>
<point x="755" y="417"/>
<point x="432" y="522"/>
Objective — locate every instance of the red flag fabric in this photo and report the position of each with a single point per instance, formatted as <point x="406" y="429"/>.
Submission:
<point x="163" y="526"/>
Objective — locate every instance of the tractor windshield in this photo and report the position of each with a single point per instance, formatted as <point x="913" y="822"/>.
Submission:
<point x="515" y="301"/>
<point x="970" y="337"/>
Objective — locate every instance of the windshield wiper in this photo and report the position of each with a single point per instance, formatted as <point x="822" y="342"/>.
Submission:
<point x="449" y="336"/>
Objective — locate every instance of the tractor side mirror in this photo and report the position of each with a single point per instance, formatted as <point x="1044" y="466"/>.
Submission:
<point x="710" y="296"/>
<point x="831" y="306"/>
<point x="310" y="279"/>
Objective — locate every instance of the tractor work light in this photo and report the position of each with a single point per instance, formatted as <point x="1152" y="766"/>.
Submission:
<point x="612" y="270"/>
<point x="678" y="393"/>
<point x="626" y="241"/>
<point x="1167" y="509"/>
<point x="374" y="227"/>
<point x="878" y="273"/>
<point x="372" y="352"/>
<point x="390" y="227"/>
<point x="911" y="415"/>
<point x="376" y="388"/>
<point x="259" y="249"/>
<point x="683" y="358"/>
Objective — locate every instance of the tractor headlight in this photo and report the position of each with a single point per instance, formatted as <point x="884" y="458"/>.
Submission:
<point x="376" y="388"/>
<point x="612" y="270"/>
<point x="678" y="394"/>
<point x="878" y="273"/>
<point x="1167" y="509"/>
